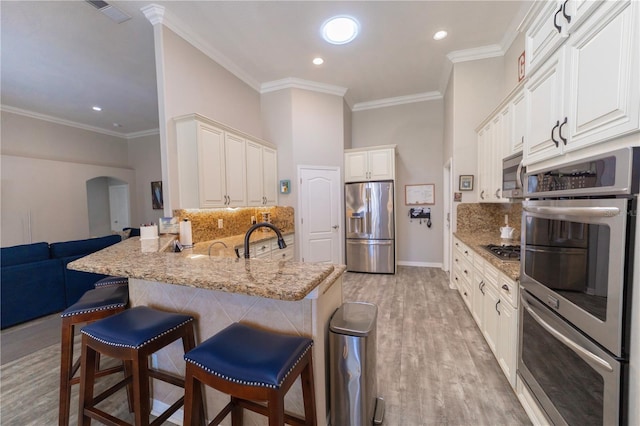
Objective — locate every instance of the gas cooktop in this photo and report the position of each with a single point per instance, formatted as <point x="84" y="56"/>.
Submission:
<point x="503" y="252"/>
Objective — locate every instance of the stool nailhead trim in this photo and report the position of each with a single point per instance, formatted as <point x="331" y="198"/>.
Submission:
<point x="111" y="282"/>
<point x="243" y="382"/>
<point x="87" y="311"/>
<point x="106" y="342"/>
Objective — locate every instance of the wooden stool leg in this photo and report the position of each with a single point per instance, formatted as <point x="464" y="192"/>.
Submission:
<point x="192" y="394"/>
<point x="87" y="380"/>
<point x="309" y="394"/>
<point x="66" y="366"/>
<point x="237" y="412"/>
<point x="276" y="408"/>
<point x="141" y="395"/>
<point x="128" y="372"/>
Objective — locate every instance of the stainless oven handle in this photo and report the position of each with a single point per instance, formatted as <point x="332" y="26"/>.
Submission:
<point x="585" y="354"/>
<point x="574" y="211"/>
<point x="519" y="182"/>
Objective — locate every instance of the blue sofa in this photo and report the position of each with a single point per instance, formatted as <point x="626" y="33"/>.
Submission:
<point x="35" y="280"/>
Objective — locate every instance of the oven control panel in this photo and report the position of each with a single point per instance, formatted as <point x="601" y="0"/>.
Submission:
<point x="610" y="174"/>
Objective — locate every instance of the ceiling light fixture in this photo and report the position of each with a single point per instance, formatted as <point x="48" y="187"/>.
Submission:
<point x="96" y="108"/>
<point x="340" y="30"/>
<point x="440" y="35"/>
<point x="318" y="61"/>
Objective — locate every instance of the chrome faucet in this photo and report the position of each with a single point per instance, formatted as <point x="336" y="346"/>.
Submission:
<point x="214" y="243"/>
<point x="281" y="243"/>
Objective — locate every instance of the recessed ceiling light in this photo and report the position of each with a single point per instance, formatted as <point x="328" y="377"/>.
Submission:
<point x="96" y="108"/>
<point x="340" y="30"/>
<point x="440" y="35"/>
<point x="318" y="61"/>
<point x="117" y="125"/>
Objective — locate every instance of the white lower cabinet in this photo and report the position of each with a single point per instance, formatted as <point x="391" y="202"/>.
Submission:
<point x="268" y="249"/>
<point x="491" y="298"/>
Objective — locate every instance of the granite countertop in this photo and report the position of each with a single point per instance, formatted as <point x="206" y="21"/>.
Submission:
<point x="149" y="260"/>
<point x="476" y="241"/>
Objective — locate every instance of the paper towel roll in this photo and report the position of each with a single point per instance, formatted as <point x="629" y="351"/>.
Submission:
<point x="185" y="233"/>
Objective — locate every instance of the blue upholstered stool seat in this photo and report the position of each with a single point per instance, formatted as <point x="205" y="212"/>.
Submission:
<point x="135" y="327"/>
<point x="249" y="356"/>
<point x="99" y="299"/>
<point x="111" y="281"/>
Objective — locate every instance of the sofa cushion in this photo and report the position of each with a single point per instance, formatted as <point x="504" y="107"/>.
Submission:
<point x="82" y="247"/>
<point x="76" y="283"/>
<point x="25" y="253"/>
<point x="31" y="291"/>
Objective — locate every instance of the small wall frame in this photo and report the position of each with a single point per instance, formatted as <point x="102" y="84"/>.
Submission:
<point x="466" y="183"/>
<point x="285" y="186"/>
<point x="419" y="194"/>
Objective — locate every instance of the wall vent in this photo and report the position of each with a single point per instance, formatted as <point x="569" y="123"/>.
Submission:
<point x="112" y="12"/>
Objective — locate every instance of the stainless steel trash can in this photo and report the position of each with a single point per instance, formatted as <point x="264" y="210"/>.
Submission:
<point x="352" y="366"/>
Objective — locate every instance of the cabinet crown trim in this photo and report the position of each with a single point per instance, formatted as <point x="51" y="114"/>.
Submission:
<point x="222" y="126"/>
<point x="371" y="148"/>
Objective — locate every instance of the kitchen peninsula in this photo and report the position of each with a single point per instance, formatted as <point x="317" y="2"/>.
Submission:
<point x="284" y="296"/>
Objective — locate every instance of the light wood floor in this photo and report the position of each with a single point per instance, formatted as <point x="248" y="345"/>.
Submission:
<point x="434" y="367"/>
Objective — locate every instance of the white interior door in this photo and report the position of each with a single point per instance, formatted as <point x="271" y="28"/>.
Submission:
<point x="320" y="205"/>
<point x="119" y="207"/>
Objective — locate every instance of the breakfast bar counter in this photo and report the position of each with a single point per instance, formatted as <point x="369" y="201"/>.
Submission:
<point x="283" y="296"/>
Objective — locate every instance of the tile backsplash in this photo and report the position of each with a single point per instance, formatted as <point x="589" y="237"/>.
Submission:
<point x="236" y="221"/>
<point x="488" y="217"/>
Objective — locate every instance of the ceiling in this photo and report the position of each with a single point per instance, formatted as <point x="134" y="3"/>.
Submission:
<point x="59" y="58"/>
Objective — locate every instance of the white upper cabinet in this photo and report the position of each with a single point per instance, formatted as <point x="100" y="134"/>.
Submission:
<point x="220" y="167"/>
<point x="588" y="91"/>
<point x="370" y="164"/>
<point x="493" y="145"/>
<point x="553" y="24"/>
<point x="261" y="175"/>
<point x="518" y="123"/>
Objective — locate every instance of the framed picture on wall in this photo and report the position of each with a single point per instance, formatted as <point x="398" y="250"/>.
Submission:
<point x="466" y="183"/>
<point x="156" y="195"/>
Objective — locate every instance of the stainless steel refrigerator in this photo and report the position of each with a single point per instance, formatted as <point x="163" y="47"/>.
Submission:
<point x="370" y="234"/>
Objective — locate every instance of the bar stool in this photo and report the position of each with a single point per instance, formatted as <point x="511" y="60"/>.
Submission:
<point x="102" y="302"/>
<point x="131" y="336"/>
<point x="250" y="365"/>
<point x="111" y="281"/>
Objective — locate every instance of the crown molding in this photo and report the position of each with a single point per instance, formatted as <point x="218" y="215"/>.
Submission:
<point x="483" y="52"/>
<point x="68" y="123"/>
<point x="166" y="18"/>
<point x="298" y="83"/>
<point x="399" y="100"/>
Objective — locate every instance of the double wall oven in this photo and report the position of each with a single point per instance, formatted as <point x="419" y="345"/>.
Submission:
<point x="578" y="237"/>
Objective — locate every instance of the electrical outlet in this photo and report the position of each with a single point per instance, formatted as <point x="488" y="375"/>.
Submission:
<point x="220" y="225"/>
<point x="253" y="220"/>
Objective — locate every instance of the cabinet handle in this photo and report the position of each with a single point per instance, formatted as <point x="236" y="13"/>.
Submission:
<point x="482" y="194"/>
<point x="505" y="288"/>
<point x="497" y="310"/>
<point x="498" y="193"/>
<point x="466" y="252"/>
<point x="554" y="128"/>
<point x="481" y="286"/>
<point x="564" y="140"/>
<point x="465" y="272"/>
<point x="455" y="278"/>
<point x="564" y="12"/>
<point x="465" y="293"/>
<point x="555" y="19"/>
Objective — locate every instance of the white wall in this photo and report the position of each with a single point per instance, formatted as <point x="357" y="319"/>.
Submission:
<point x="45" y="167"/>
<point x="510" y="59"/>
<point x="144" y="158"/>
<point x="417" y="129"/>
<point x="190" y="82"/>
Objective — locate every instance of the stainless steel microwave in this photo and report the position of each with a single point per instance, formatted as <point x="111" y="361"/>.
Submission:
<point x="512" y="175"/>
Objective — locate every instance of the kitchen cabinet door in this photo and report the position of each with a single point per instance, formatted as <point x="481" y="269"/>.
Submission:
<point x="261" y="175"/>
<point x="507" y="343"/>
<point x="356" y="166"/>
<point x="270" y="176"/>
<point x="602" y="76"/>
<point x="518" y="123"/>
<point x="255" y="196"/>
<point x="477" y="297"/>
<point x="545" y="34"/>
<point x="211" y="166"/>
<point x="381" y="164"/>
<point x="235" y="172"/>
<point x="545" y="98"/>
<point x="490" y="325"/>
<point x="485" y="142"/>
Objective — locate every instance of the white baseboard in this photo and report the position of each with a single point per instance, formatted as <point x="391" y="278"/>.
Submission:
<point x="420" y="264"/>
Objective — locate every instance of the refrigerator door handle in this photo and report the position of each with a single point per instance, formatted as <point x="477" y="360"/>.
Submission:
<point x="368" y="214"/>
<point x="371" y="242"/>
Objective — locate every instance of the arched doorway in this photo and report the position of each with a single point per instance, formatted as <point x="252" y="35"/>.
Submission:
<point x="107" y="205"/>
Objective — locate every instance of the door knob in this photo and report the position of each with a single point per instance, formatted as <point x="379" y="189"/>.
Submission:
<point x="335" y="226"/>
